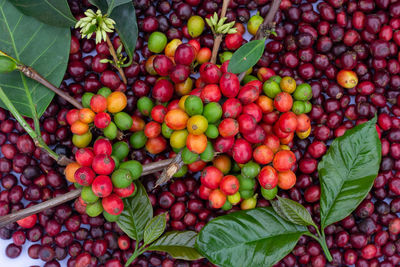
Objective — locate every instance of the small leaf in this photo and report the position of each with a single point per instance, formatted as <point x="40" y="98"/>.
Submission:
<point x="180" y="245"/>
<point x="137" y="212"/>
<point x="292" y="211"/>
<point x="154" y="228"/>
<point x="33" y="43"/>
<point x="257" y="237"/>
<point x="347" y="171"/>
<point x="246" y="56"/>
<point x="52" y="12"/>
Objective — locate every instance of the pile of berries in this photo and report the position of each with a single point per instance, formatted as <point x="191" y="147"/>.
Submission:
<point x="103" y="177"/>
<point x="96" y="112"/>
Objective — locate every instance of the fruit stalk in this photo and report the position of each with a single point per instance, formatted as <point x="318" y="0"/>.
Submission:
<point x="33" y="74"/>
<point x="268" y="24"/>
<point x="13" y="217"/>
<point x="172" y="168"/>
<point x="114" y="55"/>
<point x="37" y="139"/>
<point x="266" y="27"/>
<point x="218" y="37"/>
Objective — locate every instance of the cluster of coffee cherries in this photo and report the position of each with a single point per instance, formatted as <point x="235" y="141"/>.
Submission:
<point x="103" y="177"/>
<point x="253" y="124"/>
<point x="96" y="112"/>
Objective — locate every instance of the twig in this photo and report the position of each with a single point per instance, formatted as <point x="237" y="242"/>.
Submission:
<point x="115" y="58"/>
<point x="172" y="168"/>
<point x="13" y="217"/>
<point x="218" y="37"/>
<point x="266" y="27"/>
<point x="33" y="74"/>
<point x="268" y="24"/>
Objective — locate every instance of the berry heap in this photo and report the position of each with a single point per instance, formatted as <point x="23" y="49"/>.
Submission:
<point x="254" y="124"/>
<point x="103" y="177"/>
<point x="97" y="111"/>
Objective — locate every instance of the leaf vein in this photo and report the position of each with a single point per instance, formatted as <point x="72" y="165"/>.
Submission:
<point x="44" y="51"/>
<point x="31" y="38"/>
<point x="58" y="11"/>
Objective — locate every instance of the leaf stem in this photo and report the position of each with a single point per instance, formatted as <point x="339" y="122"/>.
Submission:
<point x="37" y="139"/>
<point x="138" y="251"/>
<point x="321" y="240"/>
<point x="33" y="74"/>
<point x="115" y="58"/>
<point x="32" y="107"/>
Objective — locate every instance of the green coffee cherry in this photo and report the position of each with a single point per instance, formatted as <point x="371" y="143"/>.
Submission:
<point x="94" y="209"/>
<point x="188" y="156"/>
<point x="195" y="26"/>
<point x="7" y="64"/>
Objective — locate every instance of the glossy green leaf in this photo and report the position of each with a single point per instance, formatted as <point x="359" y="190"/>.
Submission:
<point x="126" y="26"/>
<point x="114" y="3"/>
<point x="100" y="4"/>
<point x="246" y="56"/>
<point x="124" y="15"/>
<point x="292" y="211"/>
<point x="347" y="171"/>
<point x="178" y="244"/>
<point x="137" y="212"/>
<point x="257" y="237"/>
<point x="41" y="46"/>
<point x="154" y="228"/>
<point x="53" y="12"/>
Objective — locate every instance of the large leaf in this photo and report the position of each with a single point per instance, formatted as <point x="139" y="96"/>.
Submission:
<point x="246" y="56"/>
<point x="292" y="211"/>
<point x="53" y="12"/>
<point x="347" y="171"/>
<point x="107" y="6"/>
<point x="154" y="228"/>
<point x="257" y="237"/>
<point x="137" y="212"/>
<point x="124" y="15"/>
<point x="114" y="3"/>
<point x="100" y="4"/>
<point x="41" y="46"/>
<point x="180" y="245"/>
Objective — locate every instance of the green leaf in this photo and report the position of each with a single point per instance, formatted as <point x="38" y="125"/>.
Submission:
<point x="115" y="3"/>
<point x="347" y="171"/>
<point x="126" y="26"/>
<point x="154" y="228"/>
<point x="100" y="4"/>
<point x="124" y="15"/>
<point x="53" y="12"/>
<point x="180" y="245"/>
<point x="292" y="211"/>
<point x="257" y="237"/>
<point x="246" y="56"/>
<point x="137" y="212"/>
<point x="41" y="46"/>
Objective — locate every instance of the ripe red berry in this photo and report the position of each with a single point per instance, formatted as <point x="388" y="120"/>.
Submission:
<point x="103" y="164"/>
<point x="102" y="186"/>
<point x="102" y="146"/>
<point x="113" y="204"/>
